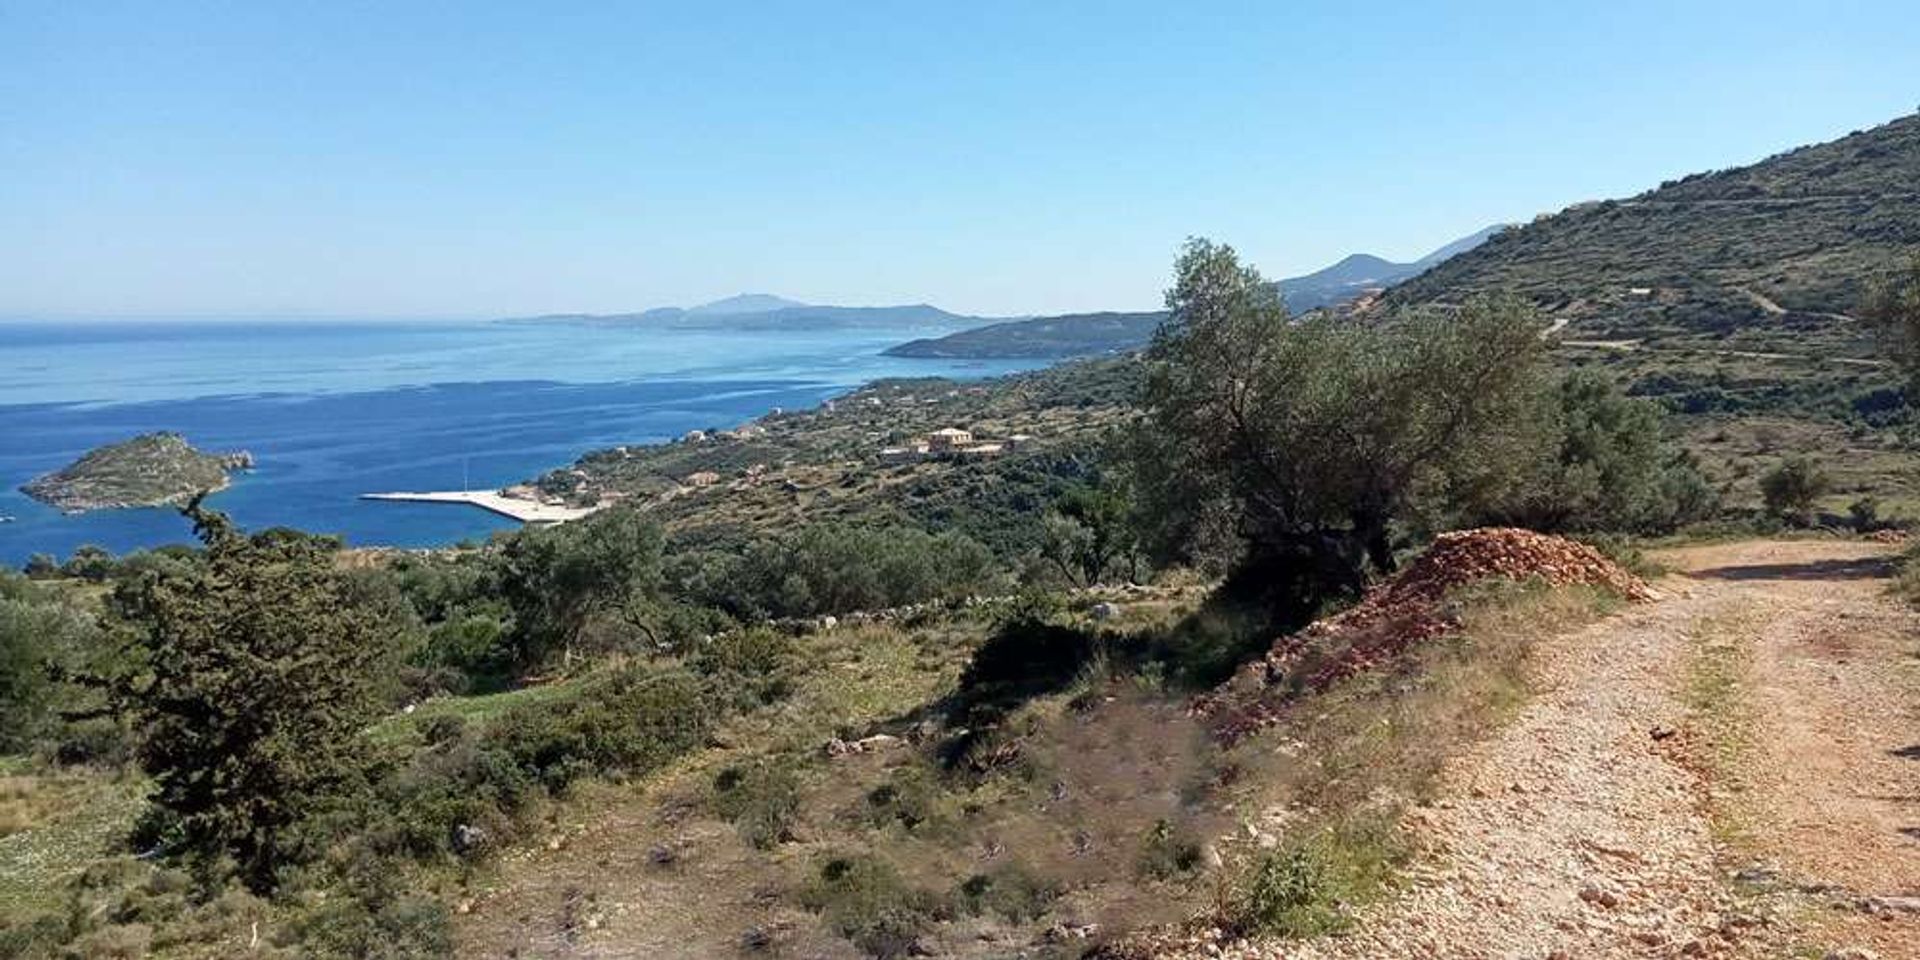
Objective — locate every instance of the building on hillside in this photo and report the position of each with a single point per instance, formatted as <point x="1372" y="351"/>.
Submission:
<point x="948" y="440"/>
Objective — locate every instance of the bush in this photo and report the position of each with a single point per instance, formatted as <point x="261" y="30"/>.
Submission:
<point x="1793" y="488"/>
<point x="1611" y="468"/>
<point x="830" y="569"/>
<point x="1308" y="888"/>
<point x="1010" y="891"/>
<point x="628" y="722"/>
<point x="1167" y="853"/>
<point x="864" y="899"/>
<point x="746" y="668"/>
<point x="761" y="799"/>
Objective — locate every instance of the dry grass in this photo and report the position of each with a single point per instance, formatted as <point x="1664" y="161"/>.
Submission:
<point x="52" y="826"/>
<point x="1327" y="788"/>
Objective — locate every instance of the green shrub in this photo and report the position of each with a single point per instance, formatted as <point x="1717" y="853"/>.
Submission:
<point x="832" y="569"/>
<point x="746" y="668"/>
<point x="761" y="799"/>
<point x="912" y="797"/>
<point x="1308" y="889"/>
<point x="1793" y="488"/>
<point x="1011" y="891"/>
<point x="628" y="722"/>
<point x="399" y="928"/>
<point x="864" y="899"/>
<point x="1166" y="852"/>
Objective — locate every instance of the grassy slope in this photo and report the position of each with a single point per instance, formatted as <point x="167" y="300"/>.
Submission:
<point x="1064" y="832"/>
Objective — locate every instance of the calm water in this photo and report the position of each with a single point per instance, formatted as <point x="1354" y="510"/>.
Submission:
<point x="334" y="410"/>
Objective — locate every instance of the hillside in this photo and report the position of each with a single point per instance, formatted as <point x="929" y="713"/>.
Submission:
<point x="1087" y="334"/>
<point x="1071" y="335"/>
<point x="1767" y="253"/>
<point x="826" y="463"/>
<point x="1362" y="272"/>
<point x="150" y="470"/>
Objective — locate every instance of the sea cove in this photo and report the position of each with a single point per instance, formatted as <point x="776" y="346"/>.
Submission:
<point x="333" y="410"/>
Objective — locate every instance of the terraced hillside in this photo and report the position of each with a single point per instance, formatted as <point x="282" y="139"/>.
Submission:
<point x="1771" y="256"/>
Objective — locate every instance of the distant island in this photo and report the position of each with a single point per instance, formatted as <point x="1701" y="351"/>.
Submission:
<point x="150" y="470"/>
<point x="764" y="311"/>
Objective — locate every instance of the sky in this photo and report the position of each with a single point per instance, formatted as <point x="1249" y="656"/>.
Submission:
<point x="416" y="159"/>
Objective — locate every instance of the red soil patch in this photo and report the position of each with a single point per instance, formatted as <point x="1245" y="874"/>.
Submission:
<point x="1408" y="608"/>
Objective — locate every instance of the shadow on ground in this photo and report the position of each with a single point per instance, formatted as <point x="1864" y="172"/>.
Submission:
<point x="1866" y="568"/>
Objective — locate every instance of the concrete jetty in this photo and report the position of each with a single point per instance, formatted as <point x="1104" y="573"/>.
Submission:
<point x="525" y="511"/>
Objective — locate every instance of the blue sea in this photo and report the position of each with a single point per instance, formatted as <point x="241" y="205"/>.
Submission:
<point x="332" y="410"/>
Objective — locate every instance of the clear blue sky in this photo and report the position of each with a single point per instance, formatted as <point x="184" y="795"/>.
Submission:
<point x="395" y="159"/>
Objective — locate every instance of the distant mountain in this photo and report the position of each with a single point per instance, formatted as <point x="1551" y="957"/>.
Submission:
<point x="1362" y="272"/>
<point x="745" y="303"/>
<point x="763" y="311"/>
<point x="1085" y="334"/>
<point x="1072" y="335"/>
<point x="1763" y="250"/>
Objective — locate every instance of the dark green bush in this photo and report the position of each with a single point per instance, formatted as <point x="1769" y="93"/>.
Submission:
<point x="745" y="668"/>
<point x="627" y="722"/>
<point x="1793" y="488"/>
<point x="1010" y="891"/>
<point x="761" y="799"/>
<point x="864" y="899"/>
<point x="832" y="569"/>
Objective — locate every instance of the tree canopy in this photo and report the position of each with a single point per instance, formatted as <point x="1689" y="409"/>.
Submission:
<point x="251" y="682"/>
<point x="1326" y="433"/>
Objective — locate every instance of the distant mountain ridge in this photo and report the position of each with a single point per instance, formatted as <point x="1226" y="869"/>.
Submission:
<point x="1083" y="334"/>
<point x="765" y="311"/>
<point x="1361" y="272"/>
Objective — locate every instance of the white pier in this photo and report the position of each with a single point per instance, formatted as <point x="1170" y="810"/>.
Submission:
<point x="525" y="511"/>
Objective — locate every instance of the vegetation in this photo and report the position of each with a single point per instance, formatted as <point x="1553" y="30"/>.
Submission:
<point x="147" y="471"/>
<point x="1329" y="437"/>
<point x="249" y="678"/>
<point x="888" y="703"/>
<point x="1894" y="310"/>
<point x="1805" y="232"/>
<point x="1793" y="488"/>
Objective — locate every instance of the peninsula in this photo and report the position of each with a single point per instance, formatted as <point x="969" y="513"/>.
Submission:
<point x="150" y="470"/>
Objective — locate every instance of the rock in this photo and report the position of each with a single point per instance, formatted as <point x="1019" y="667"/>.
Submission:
<point x="1104" y="611"/>
<point x="1662" y="732"/>
<point x="1852" y="953"/>
<point x="1600" y="895"/>
<point x="468" y="838"/>
<point x="1887" y="906"/>
<point x="661" y="855"/>
<point x="756" y="938"/>
<point x="837" y="747"/>
<point x="829" y="622"/>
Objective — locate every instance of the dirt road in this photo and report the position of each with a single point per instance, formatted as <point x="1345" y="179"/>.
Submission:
<point x="1732" y="771"/>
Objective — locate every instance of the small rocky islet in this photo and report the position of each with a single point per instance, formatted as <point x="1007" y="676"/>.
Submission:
<point x="150" y="470"/>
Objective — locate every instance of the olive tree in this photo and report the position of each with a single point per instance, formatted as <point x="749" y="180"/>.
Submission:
<point x="1893" y="309"/>
<point x="1325" y="434"/>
